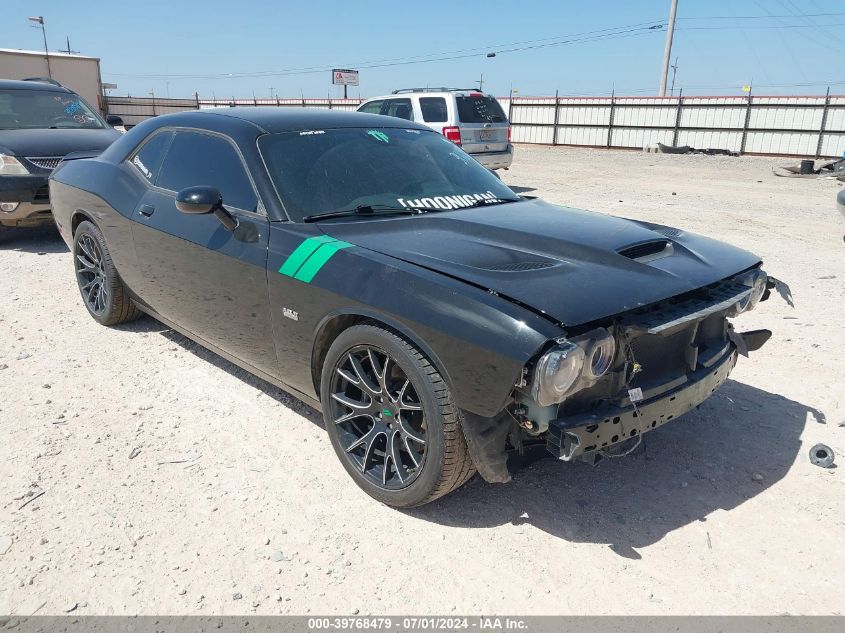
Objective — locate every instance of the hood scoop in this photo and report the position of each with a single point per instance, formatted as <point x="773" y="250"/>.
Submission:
<point x="647" y="251"/>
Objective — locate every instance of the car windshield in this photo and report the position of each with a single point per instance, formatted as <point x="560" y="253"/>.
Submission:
<point x="321" y="171"/>
<point x="41" y="109"/>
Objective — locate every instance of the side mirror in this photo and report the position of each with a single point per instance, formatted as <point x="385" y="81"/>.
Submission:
<point x="114" y="120"/>
<point x="198" y="200"/>
<point x="201" y="200"/>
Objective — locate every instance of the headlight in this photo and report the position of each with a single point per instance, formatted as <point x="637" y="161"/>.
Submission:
<point x="556" y="372"/>
<point x="599" y="357"/>
<point x="11" y="166"/>
<point x="757" y="281"/>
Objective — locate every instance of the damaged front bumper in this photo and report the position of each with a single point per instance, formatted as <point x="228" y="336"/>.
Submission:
<point x="590" y="434"/>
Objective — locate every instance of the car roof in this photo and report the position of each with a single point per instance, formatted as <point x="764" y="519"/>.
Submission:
<point x="284" y="119"/>
<point x="459" y="92"/>
<point x="15" y="84"/>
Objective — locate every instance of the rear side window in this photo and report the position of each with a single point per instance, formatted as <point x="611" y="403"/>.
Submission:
<point x="434" y="109"/>
<point x="480" y="109"/>
<point x="148" y="159"/>
<point x="201" y="159"/>
<point x="373" y="107"/>
<point x="400" y="108"/>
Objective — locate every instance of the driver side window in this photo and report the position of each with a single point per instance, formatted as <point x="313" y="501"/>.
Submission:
<point x="203" y="159"/>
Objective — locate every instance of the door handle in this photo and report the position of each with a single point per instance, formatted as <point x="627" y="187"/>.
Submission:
<point x="146" y="210"/>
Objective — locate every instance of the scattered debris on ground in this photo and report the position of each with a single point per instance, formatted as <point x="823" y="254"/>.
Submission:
<point x="807" y="169"/>
<point x="686" y="149"/>
<point x="822" y="455"/>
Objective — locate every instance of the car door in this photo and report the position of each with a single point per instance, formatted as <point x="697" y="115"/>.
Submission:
<point x="196" y="273"/>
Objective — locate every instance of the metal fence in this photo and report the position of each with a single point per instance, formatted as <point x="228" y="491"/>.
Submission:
<point x="782" y="125"/>
<point x="788" y="125"/>
<point x="133" y="110"/>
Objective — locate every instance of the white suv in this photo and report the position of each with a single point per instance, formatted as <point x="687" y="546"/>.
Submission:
<point x="467" y="117"/>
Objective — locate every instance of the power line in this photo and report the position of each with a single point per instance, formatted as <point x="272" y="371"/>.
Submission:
<point x="588" y="36"/>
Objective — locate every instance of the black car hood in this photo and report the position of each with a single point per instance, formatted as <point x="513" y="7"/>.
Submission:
<point x="54" y="142"/>
<point x="560" y="261"/>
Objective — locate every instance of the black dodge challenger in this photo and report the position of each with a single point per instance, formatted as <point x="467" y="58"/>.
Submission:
<point x="372" y="268"/>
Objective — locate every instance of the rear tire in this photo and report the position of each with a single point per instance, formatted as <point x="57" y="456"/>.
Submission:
<point x="400" y="438"/>
<point x="103" y="292"/>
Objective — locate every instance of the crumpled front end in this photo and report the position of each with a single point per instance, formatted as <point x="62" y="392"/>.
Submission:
<point x="594" y="394"/>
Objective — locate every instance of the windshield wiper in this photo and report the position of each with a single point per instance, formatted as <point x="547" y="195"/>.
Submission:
<point x="367" y="210"/>
<point x="485" y="201"/>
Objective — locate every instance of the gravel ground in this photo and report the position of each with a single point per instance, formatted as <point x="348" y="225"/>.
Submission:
<point x="171" y="482"/>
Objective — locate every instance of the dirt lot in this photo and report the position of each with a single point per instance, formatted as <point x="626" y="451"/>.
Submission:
<point x="236" y="502"/>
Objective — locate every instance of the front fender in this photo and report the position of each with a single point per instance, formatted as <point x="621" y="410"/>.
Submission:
<point x="479" y="341"/>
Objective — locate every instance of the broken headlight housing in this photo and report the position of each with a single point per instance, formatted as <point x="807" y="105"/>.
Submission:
<point x="11" y="166"/>
<point x="757" y="280"/>
<point x="556" y="373"/>
<point x="572" y="365"/>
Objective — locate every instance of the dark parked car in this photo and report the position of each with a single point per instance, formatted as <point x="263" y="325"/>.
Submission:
<point x="41" y="121"/>
<point x="371" y="267"/>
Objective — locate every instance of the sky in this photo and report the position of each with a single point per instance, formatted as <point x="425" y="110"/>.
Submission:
<point x="225" y="48"/>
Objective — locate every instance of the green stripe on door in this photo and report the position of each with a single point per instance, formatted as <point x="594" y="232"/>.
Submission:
<point x="310" y="256"/>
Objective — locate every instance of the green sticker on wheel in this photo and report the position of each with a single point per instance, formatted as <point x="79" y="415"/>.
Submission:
<point x="310" y="256"/>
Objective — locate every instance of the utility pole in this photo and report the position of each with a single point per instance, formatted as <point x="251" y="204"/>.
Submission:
<point x="667" y="51"/>
<point x="480" y="83"/>
<point x="674" y="72"/>
<point x="39" y="19"/>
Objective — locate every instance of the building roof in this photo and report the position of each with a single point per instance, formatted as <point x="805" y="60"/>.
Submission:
<point x="18" y="51"/>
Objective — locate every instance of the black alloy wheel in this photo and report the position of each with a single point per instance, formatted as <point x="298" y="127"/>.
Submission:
<point x="91" y="274"/>
<point x="379" y="417"/>
<point x="103" y="292"/>
<point x="391" y="418"/>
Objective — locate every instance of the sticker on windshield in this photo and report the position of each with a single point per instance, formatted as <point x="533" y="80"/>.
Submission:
<point x="461" y="156"/>
<point x="379" y="135"/>
<point x="461" y="201"/>
<point x="311" y="132"/>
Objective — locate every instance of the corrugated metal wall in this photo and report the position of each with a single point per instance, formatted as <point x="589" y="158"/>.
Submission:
<point x="788" y="125"/>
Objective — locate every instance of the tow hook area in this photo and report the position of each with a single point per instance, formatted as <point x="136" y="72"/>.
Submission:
<point x="599" y="430"/>
<point x="749" y="341"/>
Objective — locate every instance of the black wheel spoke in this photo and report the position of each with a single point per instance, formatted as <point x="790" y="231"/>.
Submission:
<point x="345" y="400"/>
<point x="409" y="432"/>
<point x="87" y="265"/>
<point x="392" y="456"/>
<point x="91" y="274"/>
<point x="364" y="381"/>
<point x="85" y="245"/>
<point x="381" y="427"/>
<point x="410" y="452"/>
<point x="405" y="404"/>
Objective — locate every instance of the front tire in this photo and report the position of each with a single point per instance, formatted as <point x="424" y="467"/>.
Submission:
<point x="391" y="419"/>
<point x="103" y="292"/>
